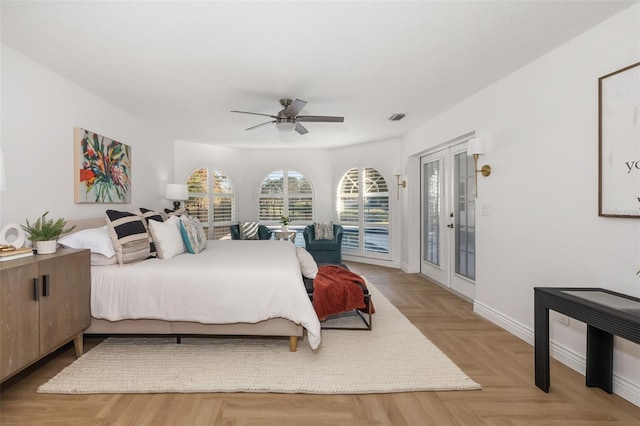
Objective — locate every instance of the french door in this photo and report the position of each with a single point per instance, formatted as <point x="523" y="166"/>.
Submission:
<point x="448" y="219"/>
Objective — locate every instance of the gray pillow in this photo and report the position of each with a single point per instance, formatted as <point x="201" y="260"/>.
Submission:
<point x="323" y="231"/>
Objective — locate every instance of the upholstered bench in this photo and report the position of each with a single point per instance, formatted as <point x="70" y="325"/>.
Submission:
<point x="308" y="284"/>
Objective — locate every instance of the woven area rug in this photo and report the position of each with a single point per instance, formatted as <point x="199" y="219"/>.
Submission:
<point x="393" y="357"/>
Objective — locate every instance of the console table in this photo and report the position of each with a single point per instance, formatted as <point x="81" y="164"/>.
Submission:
<point x="285" y="235"/>
<point x="606" y="314"/>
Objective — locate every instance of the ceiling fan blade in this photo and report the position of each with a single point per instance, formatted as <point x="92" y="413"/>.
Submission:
<point x="295" y="107"/>
<point x="261" y="124"/>
<point x="320" y="118"/>
<point x="301" y="129"/>
<point x="256" y="113"/>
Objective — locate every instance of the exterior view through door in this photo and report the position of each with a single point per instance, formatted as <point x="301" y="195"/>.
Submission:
<point x="448" y="242"/>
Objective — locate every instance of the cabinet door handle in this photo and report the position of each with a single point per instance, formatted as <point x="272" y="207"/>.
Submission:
<point x="46" y="290"/>
<point x="36" y="293"/>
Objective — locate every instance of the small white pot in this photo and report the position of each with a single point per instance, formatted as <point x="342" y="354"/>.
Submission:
<point x="46" y="247"/>
<point x="285" y="228"/>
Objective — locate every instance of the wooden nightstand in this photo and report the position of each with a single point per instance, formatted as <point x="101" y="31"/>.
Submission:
<point x="45" y="302"/>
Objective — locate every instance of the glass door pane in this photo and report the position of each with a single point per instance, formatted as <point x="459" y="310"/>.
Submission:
<point x="432" y="188"/>
<point x="435" y="229"/>
<point x="464" y="175"/>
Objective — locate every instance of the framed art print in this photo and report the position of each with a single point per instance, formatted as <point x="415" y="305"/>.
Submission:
<point x="619" y="143"/>
<point x="102" y="169"/>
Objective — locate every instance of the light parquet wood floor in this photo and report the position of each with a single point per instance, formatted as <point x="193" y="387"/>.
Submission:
<point x="500" y="362"/>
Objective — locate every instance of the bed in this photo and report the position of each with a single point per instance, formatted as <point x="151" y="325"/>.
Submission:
<point x="233" y="287"/>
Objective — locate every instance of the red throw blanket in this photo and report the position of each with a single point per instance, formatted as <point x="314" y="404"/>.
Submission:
<point x="337" y="290"/>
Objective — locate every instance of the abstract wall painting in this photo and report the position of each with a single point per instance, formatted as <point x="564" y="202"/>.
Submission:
<point x="619" y="143"/>
<point x="102" y="172"/>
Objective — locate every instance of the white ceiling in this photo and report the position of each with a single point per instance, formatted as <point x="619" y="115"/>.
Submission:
<point x="182" y="66"/>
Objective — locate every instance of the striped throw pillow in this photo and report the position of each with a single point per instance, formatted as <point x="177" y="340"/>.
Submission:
<point x="150" y="215"/>
<point x="249" y="230"/>
<point x="129" y="235"/>
<point x="171" y="212"/>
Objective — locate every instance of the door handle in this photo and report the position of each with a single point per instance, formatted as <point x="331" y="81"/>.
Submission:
<point x="46" y="289"/>
<point x="450" y="225"/>
<point x="36" y="293"/>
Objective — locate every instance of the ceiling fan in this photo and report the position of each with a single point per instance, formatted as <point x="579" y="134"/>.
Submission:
<point x="288" y="118"/>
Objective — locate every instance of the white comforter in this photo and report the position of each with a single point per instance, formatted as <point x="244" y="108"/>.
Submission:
<point x="230" y="281"/>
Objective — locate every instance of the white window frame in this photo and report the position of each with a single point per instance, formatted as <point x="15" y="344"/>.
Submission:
<point x="286" y="198"/>
<point x="211" y="196"/>
<point x="361" y="252"/>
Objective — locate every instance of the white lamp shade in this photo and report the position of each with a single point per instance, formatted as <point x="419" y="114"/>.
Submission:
<point x="176" y="192"/>
<point x="285" y="126"/>
<point x="3" y="173"/>
<point x="475" y="146"/>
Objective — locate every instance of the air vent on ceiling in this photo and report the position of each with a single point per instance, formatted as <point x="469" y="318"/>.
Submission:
<point x="396" y="117"/>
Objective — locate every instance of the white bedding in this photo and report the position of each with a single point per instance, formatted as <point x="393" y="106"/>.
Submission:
<point x="230" y="281"/>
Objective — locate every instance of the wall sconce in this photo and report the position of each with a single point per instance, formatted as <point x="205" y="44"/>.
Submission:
<point x="176" y="192"/>
<point x="403" y="184"/>
<point x="476" y="149"/>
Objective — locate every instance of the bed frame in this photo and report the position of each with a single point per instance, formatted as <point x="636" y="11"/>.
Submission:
<point x="279" y="327"/>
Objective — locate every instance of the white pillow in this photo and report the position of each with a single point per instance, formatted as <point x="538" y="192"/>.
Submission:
<point x="167" y="237"/>
<point x="308" y="265"/>
<point x="97" y="240"/>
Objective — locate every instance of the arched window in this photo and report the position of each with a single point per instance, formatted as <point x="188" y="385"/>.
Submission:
<point x="212" y="201"/>
<point x="363" y="211"/>
<point x="287" y="193"/>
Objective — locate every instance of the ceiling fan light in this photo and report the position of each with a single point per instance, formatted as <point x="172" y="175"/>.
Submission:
<point x="286" y="125"/>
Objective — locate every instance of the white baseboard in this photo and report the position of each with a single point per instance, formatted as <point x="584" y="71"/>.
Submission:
<point x="381" y="262"/>
<point x="621" y="386"/>
<point x="512" y="326"/>
<point x="371" y="261"/>
<point x="409" y="269"/>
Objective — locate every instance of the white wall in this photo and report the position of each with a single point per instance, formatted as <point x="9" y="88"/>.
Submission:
<point x="540" y="127"/>
<point x="247" y="167"/>
<point x="39" y="112"/>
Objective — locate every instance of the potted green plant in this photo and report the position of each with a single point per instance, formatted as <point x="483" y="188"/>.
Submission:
<point x="44" y="233"/>
<point x="284" y="220"/>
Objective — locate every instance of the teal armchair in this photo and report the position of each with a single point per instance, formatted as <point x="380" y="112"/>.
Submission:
<point x="324" y="251"/>
<point x="263" y="232"/>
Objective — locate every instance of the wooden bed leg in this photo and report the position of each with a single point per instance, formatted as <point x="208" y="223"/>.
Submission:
<point x="78" y="344"/>
<point x="293" y="343"/>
